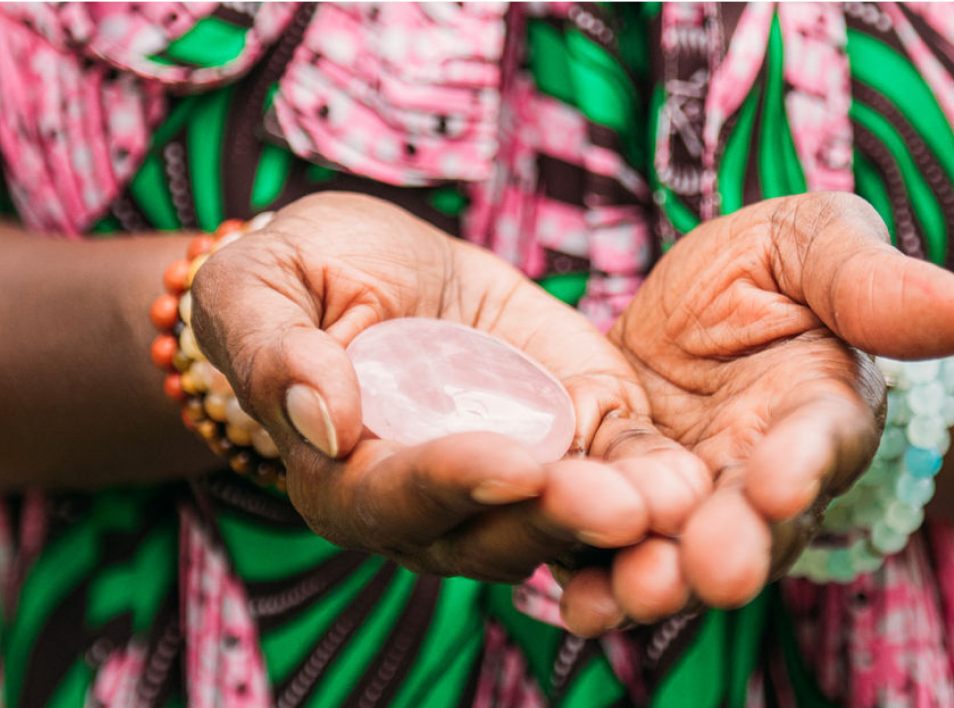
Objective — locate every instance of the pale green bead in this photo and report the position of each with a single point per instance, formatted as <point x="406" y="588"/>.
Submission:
<point x="893" y="444"/>
<point x="817" y="565"/>
<point x="839" y="566"/>
<point x="947" y="411"/>
<point x="880" y="472"/>
<point x="944" y="445"/>
<point x="903" y="518"/>
<point x="899" y="413"/>
<point x="864" y="559"/>
<point x="926" y="432"/>
<point x="948" y="374"/>
<point x="867" y="515"/>
<point x="922" y="371"/>
<point x="926" y="399"/>
<point x="886" y="540"/>
<point x="800" y="568"/>
<point x="838" y="518"/>
<point x="914" y="491"/>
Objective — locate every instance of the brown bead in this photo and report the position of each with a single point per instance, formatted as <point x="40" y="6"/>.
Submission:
<point x="163" y="349"/>
<point x="164" y="312"/>
<point x="186" y="420"/>
<point x="199" y="246"/>
<point x="172" y="386"/>
<point x="241" y="462"/>
<point x="221" y="446"/>
<point x="174" y="278"/>
<point x="194" y="409"/>
<point x="280" y="484"/>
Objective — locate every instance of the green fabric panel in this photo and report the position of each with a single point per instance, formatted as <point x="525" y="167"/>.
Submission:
<point x="679" y="214"/>
<point x="746" y="641"/>
<point x="604" y="92"/>
<point x="633" y="36"/>
<point x="211" y="42"/>
<point x="271" y="175"/>
<point x="549" y="62"/>
<point x="249" y="543"/>
<point x="736" y="155"/>
<point x="699" y="678"/>
<point x="179" y="114"/>
<point x="286" y="646"/>
<point x="150" y="189"/>
<point x="139" y="586"/>
<point x="780" y="170"/>
<point x="882" y="68"/>
<point x="868" y="184"/>
<point x="568" y="287"/>
<point x="925" y="207"/>
<point x="453" y="644"/>
<point x="204" y="139"/>
<point x="448" y="200"/>
<point x="807" y="694"/>
<point x="62" y="566"/>
<point x="72" y="691"/>
<point x="106" y="226"/>
<point x="319" y="173"/>
<point x="355" y="656"/>
<point x="594" y="686"/>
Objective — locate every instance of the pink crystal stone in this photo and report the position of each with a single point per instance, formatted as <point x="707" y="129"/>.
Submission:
<point x="422" y="379"/>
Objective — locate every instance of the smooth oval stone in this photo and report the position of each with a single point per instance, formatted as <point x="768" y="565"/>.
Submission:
<point x="423" y="379"/>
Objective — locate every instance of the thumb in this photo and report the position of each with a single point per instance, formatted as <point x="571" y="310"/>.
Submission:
<point x="295" y="379"/>
<point x="863" y="289"/>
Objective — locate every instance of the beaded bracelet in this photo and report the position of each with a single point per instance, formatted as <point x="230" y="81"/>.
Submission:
<point x="209" y="405"/>
<point x="874" y="519"/>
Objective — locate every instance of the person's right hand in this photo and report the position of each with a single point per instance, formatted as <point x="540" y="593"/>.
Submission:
<point x="274" y="311"/>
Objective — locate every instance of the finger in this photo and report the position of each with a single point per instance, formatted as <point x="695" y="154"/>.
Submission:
<point x="405" y="499"/>
<point x="265" y="338"/>
<point x="670" y="479"/>
<point x="648" y="580"/>
<point x="818" y="447"/>
<point x="587" y="605"/>
<point x="864" y="290"/>
<point x="581" y="502"/>
<point x="726" y="546"/>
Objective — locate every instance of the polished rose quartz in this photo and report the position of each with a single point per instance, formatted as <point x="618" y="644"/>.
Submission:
<point x="422" y="379"/>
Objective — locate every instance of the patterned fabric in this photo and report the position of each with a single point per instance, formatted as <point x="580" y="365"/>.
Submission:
<point x="579" y="143"/>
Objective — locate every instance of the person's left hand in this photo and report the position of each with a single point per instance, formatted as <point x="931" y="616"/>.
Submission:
<point x="743" y="339"/>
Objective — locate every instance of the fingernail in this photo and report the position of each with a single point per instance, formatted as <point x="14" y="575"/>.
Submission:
<point x="309" y="414"/>
<point x="497" y="492"/>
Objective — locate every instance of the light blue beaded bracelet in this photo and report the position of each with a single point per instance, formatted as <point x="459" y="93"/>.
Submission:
<point x="874" y="519"/>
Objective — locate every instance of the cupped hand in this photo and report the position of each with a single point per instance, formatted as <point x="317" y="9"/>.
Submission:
<point x="748" y="338"/>
<point x="275" y="310"/>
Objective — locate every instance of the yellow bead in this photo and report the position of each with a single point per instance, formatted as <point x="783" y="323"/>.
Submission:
<point x="194" y="268"/>
<point x="185" y="308"/>
<point x="263" y="444"/>
<point x="236" y="417"/>
<point x="189" y="346"/>
<point x="215" y="407"/>
<point x="240" y="436"/>
<point x="188" y="383"/>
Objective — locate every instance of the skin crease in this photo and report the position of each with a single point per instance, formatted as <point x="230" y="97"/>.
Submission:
<point x="727" y="362"/>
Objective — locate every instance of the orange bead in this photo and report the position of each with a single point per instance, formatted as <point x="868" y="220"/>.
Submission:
<point x="200" y="245"/>
<point x="186" y="420"/>
<point x="173" y="387"/>
<point x="164" y="347"/>
<point x="164" y="312"/>
<point x="228" y="226"/>
<point x="175" y="276"/>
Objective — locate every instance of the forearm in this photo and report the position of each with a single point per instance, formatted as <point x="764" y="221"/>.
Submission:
<point x="80" y="402"/>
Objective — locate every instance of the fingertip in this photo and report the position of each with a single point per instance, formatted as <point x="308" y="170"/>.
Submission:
<point x="323" y="399"/>
<point x="672" y="483"/>
<point x="587" y="606"/>
<point x="595" y="502"/>
<point x="726" y="549"/>
<point x="648" y="581"/>
<point x="786" y="470"/>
